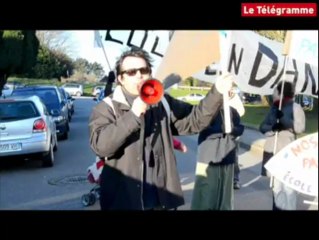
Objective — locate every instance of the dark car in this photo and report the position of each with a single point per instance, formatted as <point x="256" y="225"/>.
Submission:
<point x="53" y="100"/>
<point x="251" y="98"/>
<point x="69" y="101"/>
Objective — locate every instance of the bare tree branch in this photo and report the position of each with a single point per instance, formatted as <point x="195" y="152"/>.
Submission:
<point x="56" y="41"/>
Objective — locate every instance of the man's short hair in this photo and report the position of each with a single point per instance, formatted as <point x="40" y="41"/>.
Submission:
<point x="133" y="52"/>
<point x="289" y="89"/>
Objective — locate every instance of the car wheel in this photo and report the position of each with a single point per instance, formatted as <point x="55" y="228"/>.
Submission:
<point x="55" y="148"/>
<point x="65" y="135"/>
<point x="88" y="199"/>
<point x="48" y="158"/>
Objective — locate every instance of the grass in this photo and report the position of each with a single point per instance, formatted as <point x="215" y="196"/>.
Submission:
<point x="28" y="81"/>
<point x="183" y="92"/>
<point x="255" y="114"/>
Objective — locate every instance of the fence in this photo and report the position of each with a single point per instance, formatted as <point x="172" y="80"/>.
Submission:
<point x="194" y="88"/>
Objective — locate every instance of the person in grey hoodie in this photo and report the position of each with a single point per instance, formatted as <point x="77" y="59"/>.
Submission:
<point x="217" y="155"/>
<point x="287" y="123"/>
<point x="140" y="171"/>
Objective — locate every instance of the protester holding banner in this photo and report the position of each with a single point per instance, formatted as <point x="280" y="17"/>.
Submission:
<point x="140" y="172"/>
<point x="109" y="83"/>
<point x="287" y="122"/>
<point x="217" y="153"/>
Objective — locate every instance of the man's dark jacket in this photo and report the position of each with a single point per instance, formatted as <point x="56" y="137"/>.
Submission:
<point x="121" y="139"/>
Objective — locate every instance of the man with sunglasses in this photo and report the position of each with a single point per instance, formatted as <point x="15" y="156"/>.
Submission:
<point x="140" y="172"/>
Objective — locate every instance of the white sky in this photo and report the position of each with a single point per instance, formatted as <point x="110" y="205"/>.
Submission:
<point x="83" y="42"/>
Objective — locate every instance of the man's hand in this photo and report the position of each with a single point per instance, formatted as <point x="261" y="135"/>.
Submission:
<point x="224" y="83"/>
<point x="277" y="127"/>
<point x="139" y="107"/>
<point x="279" y="114"/>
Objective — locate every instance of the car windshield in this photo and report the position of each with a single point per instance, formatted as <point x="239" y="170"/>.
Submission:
<point x="48" y="96"/>
<point x="17" y="110"/>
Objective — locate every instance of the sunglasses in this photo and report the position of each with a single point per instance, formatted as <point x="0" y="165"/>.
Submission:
<point x="132" y="72"/>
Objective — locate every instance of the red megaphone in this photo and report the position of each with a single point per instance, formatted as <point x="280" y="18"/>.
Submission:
<point x="151" y="91"/>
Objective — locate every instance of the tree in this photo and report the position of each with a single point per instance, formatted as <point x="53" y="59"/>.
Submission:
<point x="278" y="35"/>
<point x="56" y="41"/>
<point x="190" y="81"/>
<point x="18" y="53"/>
<point x="52" y="64"/>
<point x="65" y="64"/>
<point x="81" y="65"/>
<point x="96" y="69"/>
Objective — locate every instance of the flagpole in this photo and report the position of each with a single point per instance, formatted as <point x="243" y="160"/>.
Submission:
<point x="108" y="63"/>
<point x="100" y="44"/>
<point x="223" y="67"/>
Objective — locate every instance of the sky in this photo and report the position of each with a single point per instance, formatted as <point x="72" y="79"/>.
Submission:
<point x="83" y="42"/>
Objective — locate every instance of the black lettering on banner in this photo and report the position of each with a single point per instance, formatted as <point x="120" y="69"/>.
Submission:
<point x="154" y="48"/>
<point x="108" y="37"/>
<point x="263" y="50"/>
<point x="309" y="74"/>
<point x="232" y="59"/>
<point x="130" y="39"/>
<point x="295" y="73"/>
<point x="277" y="78"/>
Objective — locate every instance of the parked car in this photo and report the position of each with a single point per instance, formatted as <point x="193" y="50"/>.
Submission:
<point x="250" y="98"/>
<point x="192" y="97"/>
<point x="69" y="102"/>
<point x="53" y="100"/>
<point x="27" y="128"/>
<point x="99" y="98"/>
<point x="306" y="102"/>
<point x="97" y="90"/>
<point x="74" y="89"/>
<point x="6" y="91"/>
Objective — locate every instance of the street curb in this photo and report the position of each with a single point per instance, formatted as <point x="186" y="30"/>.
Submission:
<point x="252" y="144"/>
<point x="256" y="147"/>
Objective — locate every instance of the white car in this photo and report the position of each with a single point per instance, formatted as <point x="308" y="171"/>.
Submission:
<point x="6" y="91"/>
<point x="27" y="129"/>
<point x="97" y="90"/>
<point x="191" y="97"/>
<point x="74" y="89"/>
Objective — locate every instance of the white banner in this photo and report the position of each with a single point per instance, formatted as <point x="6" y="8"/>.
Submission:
<point x="154" y="42"/>
<point x="304" y="46"/>
<point x="296" y="165"/>
<point x="258" y="65"/>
